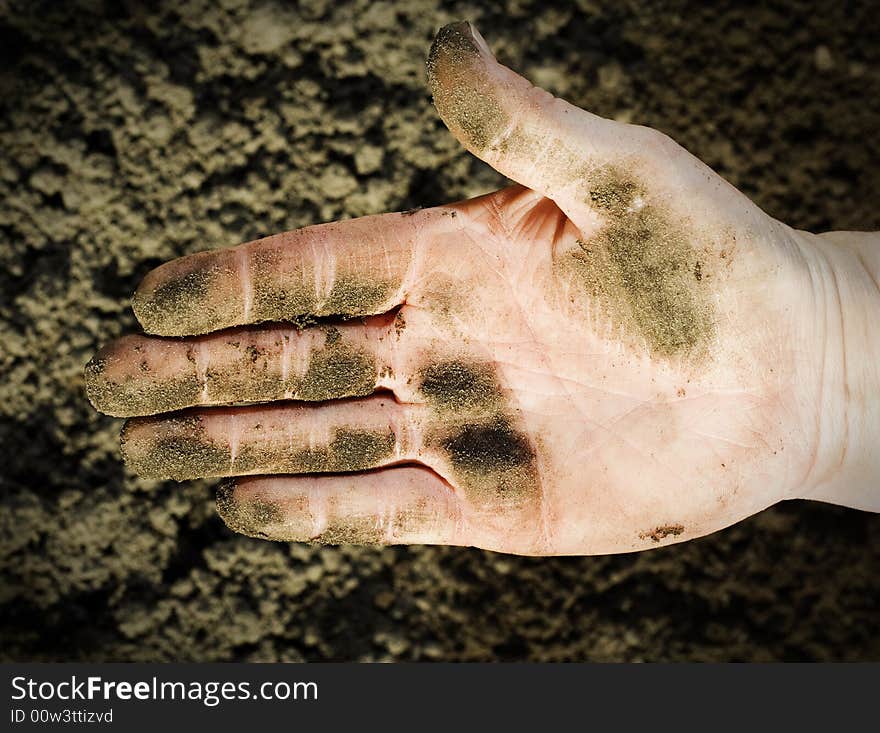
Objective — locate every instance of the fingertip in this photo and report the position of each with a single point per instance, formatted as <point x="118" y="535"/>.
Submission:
<point x="101" y="390"/>
<point x="458" y="38"/>
<point x="175" y="448"/>
<point x="144" y="305"/>
<point x="93" y="373"/>
<point x="255" y="514"/>
<point x="457" y="42"/>
<point x="467" y="99"/>
<point x="236" y="515"/>
<point x="227" y="506"/>
<point x="121" y="380"/>
<point x="189" y="296"/>
<point x="159" y="301"/>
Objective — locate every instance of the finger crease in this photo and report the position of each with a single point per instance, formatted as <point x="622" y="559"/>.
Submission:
<point x="325" y="273"/>
<point x="246" y="284"/>
<point x="202" y="357"/>
<point x="318" y="510"/>
<point x="388" y="521"/>
<point x="285" y="364"/>
<point x="234" y="438"/>
<point x="414" y="265"/>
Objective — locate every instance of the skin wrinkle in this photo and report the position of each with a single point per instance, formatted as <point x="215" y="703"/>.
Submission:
<point x="565" y="380"/>
<point x="285" y="362"/>
<point x="719" y="438"/>
<point x="410" y="429"/>
<point x="487" y="258"/>
<point x="324" y="271"/>
<point x="417" y="254"/>
<point x="504" y="134"/>
<point x="539" y="154"/>
<point x="414" y="267"/>
<point x="201" y="365"/>
<point x="591" y="426"/>
<point x="246" y="285"/>
<point x="845" y="398"/>
<point x="233" y="433"/>
<point x="388" y="352"/>
<point x="818" y="287"/>
<point x="868" y="270"/>
<point x="653" y="458"/>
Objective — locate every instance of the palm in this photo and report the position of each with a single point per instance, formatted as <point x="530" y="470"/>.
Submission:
<point x="638" y="437"/>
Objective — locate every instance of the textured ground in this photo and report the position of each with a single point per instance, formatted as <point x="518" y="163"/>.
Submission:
<point x="130" y="135"/>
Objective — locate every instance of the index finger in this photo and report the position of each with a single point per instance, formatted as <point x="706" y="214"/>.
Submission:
<point x="354" y="268"/>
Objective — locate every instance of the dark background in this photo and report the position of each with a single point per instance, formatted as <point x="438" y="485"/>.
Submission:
<point x="131" y="133"/>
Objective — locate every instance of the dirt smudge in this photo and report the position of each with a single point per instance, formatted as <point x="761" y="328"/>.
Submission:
<point x="642" y="270"/>
<point x="460" y="384"/>
<point x="662" y="532"/>
<point x="338" y="370"/>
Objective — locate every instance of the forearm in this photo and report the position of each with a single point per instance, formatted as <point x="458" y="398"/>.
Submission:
<point x="848" y="455"/>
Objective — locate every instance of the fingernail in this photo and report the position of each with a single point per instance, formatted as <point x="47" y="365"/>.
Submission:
<point x="462" y="36"/>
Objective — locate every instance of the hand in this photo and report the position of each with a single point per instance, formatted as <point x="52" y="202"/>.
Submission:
<point x="620" y="352"/>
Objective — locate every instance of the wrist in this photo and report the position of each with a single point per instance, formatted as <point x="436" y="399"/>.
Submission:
<point x="845" y="270"/>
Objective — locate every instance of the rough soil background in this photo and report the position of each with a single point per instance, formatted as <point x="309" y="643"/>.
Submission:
<point x="133" y="132"/>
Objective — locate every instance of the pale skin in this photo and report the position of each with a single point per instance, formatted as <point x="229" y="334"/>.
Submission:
<point x="618" y="353"/>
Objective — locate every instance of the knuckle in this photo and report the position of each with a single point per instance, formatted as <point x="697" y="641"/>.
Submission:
<point x="655" y="144"/>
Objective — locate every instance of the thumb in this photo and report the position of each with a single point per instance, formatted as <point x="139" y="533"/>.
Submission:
<point x="530" y="136"/>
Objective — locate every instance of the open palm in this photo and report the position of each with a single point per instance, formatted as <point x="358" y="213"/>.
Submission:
<point x="621" y="351"/>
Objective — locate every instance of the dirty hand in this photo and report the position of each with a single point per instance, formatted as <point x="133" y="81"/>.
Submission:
<point x="621" y="352"/>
